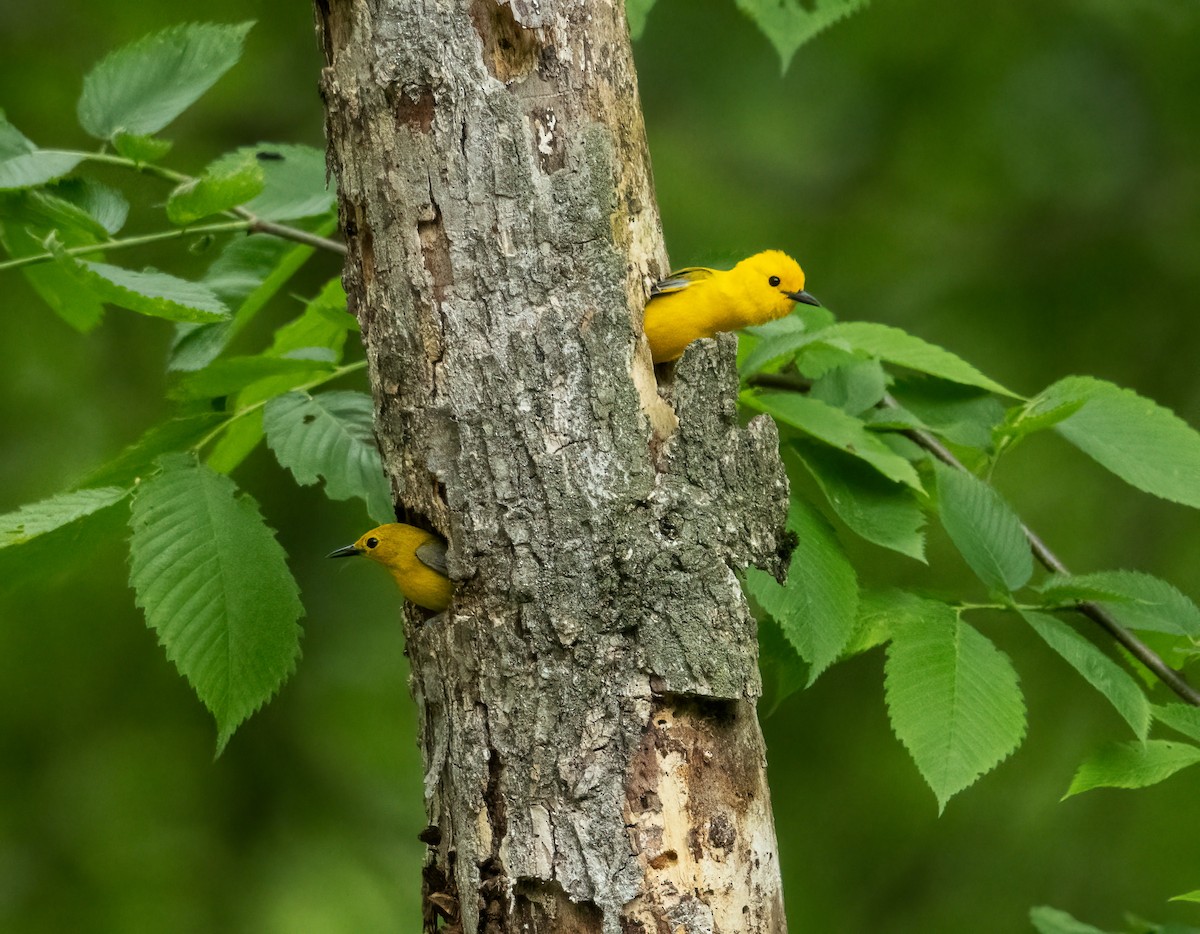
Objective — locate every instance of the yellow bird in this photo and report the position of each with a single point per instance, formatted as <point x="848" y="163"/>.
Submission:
<point x="415" y="558"/>
<point x="697" y="302"/>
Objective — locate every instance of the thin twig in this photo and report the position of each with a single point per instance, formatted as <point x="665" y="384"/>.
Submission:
<point x="109" y="245"/>
<point x="258" y="225"/>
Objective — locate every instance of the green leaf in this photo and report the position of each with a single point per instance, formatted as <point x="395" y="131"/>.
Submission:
<point x="1052" y="921"/>
<point x="40" y="539"/>
<point x="72" y="301"/>
<point x="215" y="586"/>
<point x="636" y="12"/>
<point x="854" y="388"/>
<point x="245" y="275"/>
<point x="331" y="436"/>
<point x="873" y="507"/>
<point x="225" y="184"/>
<point x="149" y="293"/>
<point x="12" y="141"/>
<point x="140" y="88"/>
<point x="30" y="169"/>
<point x="834" y="427"/>
<point x="293" y="180"/>
<point x="136" y="461"/>
<point x="788" y="24"/>
<point x="37" y="519"/>
<point x="960" y="414"/>
<point x="324" y="324"/>
<point x="783" y="672"/>
<point x="1138" y="600"/>
<point x="817" y="609"/>
<point x="984" y="529"/>
<point x="103" y="206"/>
<point x="1183" y="718"/>
<point x="1146" y="445"/>
<point x="1186" y="897"/>
<point x="774" y="347"/>
<point x="1132" y="765"/>
<point x="1020" y="423"/>
<point x="899" y="347"/>
<point x="232" y="374"/>
<point x="141" y="148"/>
<point x="1100" y="671"/>
<point x="236" y="444"/>
<point x="880" y="612"/>
<point x="953" y="699"/>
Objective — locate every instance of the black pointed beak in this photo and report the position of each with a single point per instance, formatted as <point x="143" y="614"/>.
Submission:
<point x="803" y="298"/>
<point x="347" y="552"/>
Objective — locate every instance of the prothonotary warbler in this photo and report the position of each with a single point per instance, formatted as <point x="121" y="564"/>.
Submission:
<point x="698" y="302"/>
<point x="416" y="559"/>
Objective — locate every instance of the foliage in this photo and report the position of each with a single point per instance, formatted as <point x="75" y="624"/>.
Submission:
<point x="787" y="24"/>
<point x="204" y="565"/>
<point x="887" y="448"/>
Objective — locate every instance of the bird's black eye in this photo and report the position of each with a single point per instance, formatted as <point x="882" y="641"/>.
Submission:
<point x="372" y="542"/>
<point x="773" y="281"/>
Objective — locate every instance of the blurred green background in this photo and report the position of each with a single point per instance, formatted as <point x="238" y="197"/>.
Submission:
<point x="1018" y="182"/>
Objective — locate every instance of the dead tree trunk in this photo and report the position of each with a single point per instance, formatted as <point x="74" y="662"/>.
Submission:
<point x="592" y="757"/>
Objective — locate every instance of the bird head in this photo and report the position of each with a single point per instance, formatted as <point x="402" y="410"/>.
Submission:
<point x="386" y="544"/>
<point x="773" y="283"/>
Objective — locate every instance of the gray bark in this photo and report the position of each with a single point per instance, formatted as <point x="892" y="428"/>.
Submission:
<point x="592" y="757"/>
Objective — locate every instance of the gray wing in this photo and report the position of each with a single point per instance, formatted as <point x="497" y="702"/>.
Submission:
<point x="433" y="556"/>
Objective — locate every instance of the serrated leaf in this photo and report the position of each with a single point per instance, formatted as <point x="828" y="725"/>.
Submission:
<point x="149" y="292"/>
<point x="1146" y="445"/>
<point x="636" y="12"/>
<point x="834" y="427"/>
<point x="73" y="302"/>
<point x="331" y="436"/>
<point x="173" y="435"/>
<point x="854" y="388"/>
<point x="961" y="414"/>
<point x="984" y="529"/>
<point x="818" y="608"/>
<point x="953" y="699"/>
<point x="141" y="87"/>
<point x="873" y="507"/>
<point x="232" y="374"/>
<point x="788" y="24"/>
<point x="1183" y="718"/>
<point x="225" y="184"/>
<point x="1138" y="600"/>
<point x="141" y="148"/>
<point x="899" y="347"/>
<point x="1052" y="921"/>
<point x="1132" y="765"/>
<point x="1100" y="671"/>
<point x="293" y="180"/>
<point x="30" y="169"/>
<point x="35" y="519"/>
<point x="782" y="670"/>
<point x="882" y="611"/>
<point x="215" y="587"/>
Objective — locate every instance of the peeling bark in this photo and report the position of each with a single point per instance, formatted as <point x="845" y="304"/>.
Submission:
<point x="592" y="758"/>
